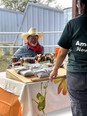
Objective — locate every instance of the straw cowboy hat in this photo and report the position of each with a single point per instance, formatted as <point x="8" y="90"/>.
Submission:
<point x="32" y="31"/>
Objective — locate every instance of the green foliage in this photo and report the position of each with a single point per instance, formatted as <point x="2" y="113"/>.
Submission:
<point x="18" y="5"/>
<point x="4" y="60"/>
<point x="15" y="5"/>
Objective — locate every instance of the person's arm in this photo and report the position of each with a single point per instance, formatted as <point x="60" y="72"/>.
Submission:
<point x="60" y="58"/>
<point x="42" y="50"/>
<point x="21" y="52"/>
<point x="17" y="54"/>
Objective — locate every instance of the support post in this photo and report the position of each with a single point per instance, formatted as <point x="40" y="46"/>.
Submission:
<point x="74" y="8"/>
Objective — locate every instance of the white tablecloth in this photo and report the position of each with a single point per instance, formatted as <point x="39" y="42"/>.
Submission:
<point x="28" y="97"/>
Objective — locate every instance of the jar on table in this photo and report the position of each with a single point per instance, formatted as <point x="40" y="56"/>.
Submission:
<point x="21" y="61"/>
<point x="14" y="59"/>
<point x="29" y="60"/>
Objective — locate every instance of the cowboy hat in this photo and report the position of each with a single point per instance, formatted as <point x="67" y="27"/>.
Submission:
<point x="32" y="31"/>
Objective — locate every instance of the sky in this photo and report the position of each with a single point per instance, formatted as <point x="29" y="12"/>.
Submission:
<point x="65" y="3"/>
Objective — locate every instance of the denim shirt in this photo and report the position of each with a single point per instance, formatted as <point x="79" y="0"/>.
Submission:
<point x="25" y="51"/>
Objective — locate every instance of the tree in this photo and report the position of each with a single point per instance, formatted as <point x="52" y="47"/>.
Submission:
<point x="15" y="4"/>
<point x="21" y="5"/>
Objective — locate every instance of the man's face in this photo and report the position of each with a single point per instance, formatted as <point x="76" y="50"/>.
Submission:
<point x="33" y="40"/>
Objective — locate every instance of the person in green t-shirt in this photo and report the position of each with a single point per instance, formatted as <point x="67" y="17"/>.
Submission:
<point x="73" y="42"/>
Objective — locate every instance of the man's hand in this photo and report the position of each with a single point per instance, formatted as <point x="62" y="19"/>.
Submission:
<point x="53" y="75"/>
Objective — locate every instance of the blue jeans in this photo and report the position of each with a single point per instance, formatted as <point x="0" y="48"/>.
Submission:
<point x="77" y="88"/>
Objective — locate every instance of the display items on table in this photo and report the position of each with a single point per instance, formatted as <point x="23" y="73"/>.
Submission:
<point x="45" y="57"/>
<point x="38" y="58"/>
<point x="40" y="65"/>
<point x="45" y="96"/>
<point x="14" y="59"/>
<point x="21" y="61"/>
<point x="29" y="60"/>
<point x="36" y="67"/>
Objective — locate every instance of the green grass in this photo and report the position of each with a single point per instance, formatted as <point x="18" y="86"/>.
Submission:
<point x="4" y="62"/>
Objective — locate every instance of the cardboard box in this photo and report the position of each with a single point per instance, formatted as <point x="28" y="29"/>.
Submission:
<point x="9" y="104"/>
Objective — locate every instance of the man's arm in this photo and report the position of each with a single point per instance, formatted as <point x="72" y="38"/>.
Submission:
<point x="60" y="58"/>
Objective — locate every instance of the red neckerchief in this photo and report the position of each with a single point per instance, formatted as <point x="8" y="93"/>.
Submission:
<point x="37" y="48"/>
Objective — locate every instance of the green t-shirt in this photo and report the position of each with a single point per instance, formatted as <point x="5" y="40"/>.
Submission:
<point x="74" y="38"/>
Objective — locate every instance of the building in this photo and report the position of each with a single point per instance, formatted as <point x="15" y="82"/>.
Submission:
<point x="45" y="19"/>
<point x="67" y="15"/>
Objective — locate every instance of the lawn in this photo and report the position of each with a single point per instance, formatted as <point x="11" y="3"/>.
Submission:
<point x="4" y="62"/>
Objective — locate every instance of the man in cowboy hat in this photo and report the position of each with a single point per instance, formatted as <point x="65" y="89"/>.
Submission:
<point x="32" y="46"/>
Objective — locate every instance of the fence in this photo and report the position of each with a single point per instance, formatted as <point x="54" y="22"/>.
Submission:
<point x="9" y="48"/>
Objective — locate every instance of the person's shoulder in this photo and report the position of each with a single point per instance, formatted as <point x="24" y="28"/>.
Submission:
<point x="73" y="20"/>
<point x="25" y="46"/>
<point x="42" y="46"/>
<point x="77" y="18"/>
